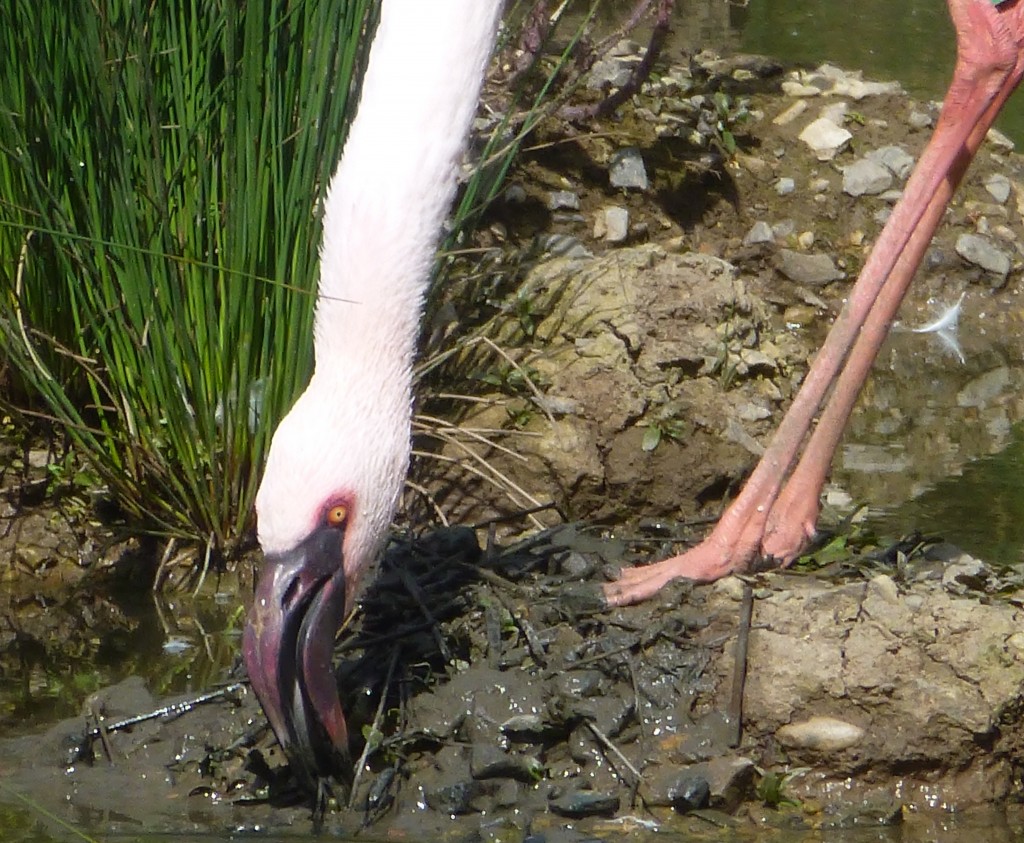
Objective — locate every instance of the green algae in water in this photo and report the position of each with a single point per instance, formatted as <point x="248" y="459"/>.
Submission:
<point x="981" y="511"/>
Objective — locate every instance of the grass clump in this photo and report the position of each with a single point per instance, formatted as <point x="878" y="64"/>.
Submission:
<point x="159" y="177"/>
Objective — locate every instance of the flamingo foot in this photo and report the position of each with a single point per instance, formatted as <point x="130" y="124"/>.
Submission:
<point x="704" y="563"/>
<point x="734" y="545"/>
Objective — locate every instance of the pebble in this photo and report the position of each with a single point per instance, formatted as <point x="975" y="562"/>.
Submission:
<point x="825" y="138"/>
<point x="691" y="792"/>
<point x="563" y="200"/>
<point x="579" y="803"/>
<point x="791" y="113"/>
<point x="759" y="233"/>
<point x="827" y="734"/>
<point x="920" y="120"/>
<point x="627" y="169"/>
<point x="866" y="178"/>
<point x="895" y="159"/>
<point x="998" y="187"/>
<point x="616" y="224"/>
<point x="608" y="73"/>
<point x="813" y="270"/>
<point x="785" y="186"/>
<point x="980" y="251"/>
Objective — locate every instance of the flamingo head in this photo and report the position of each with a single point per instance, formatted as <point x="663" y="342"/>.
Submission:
<point x="332" y="480"/>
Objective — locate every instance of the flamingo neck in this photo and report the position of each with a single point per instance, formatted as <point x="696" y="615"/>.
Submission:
<point x="393" y="186"/>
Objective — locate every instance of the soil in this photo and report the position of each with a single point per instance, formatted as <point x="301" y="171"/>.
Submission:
<point x="497" y="696"/>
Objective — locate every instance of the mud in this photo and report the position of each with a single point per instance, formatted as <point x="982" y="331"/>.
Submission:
<point x="496" y="697"/>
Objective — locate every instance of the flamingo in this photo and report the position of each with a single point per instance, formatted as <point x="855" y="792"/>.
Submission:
<point x="338" y="459"/>
<point x="774" y="516"/>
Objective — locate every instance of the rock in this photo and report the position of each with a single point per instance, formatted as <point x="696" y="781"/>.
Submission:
<point x="825" y="138"/>
<point x="982" y="391"/>
<point x="866" y="177"/>
<point x="458" y="798"/>
<point x="515" y="194"/>
<point x="997" y="138"/>
<point x="791" y="113"/>
<point x="690" y="792"/>
<point x="998" y="187"/>
<point x="826" y="734"/>
<point x="492" y="762"/>
<point x="627" y="170"/>
<point x="563" y="200"/>
<point x="981" y="252"/>
<point x="814" y="270"/>
<point x="608" y="73"/>
<point x="785" y="186"/>
<point x="585" y="803"/>
<point x="920" y="120"/>
<point x="799" y="89"/>
<point x="895" y="159"/>
<point x="759" y="233"/>
<point x="616" y="224"/>
<point x="564" y="246"/>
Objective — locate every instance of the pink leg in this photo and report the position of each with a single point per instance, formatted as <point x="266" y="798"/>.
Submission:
<point x="767" y="519"/>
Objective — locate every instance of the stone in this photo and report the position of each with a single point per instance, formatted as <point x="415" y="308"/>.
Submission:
<point x="825" y="138"/>
<point x="760" y="232"/>
<point x="827" y="734"/>
<point x="563" y="200"/>
<point x="998" y="187"/>
<point x="616" y="224"/>
<point x="895" y="159"/>
<point x="866" y="177"/>
<point x="627" y="170"/>
<point x="980" y="252"/>
<point x="585" y="803"/>
<point x="785" y="186"/>
<point x="815" y="270"/>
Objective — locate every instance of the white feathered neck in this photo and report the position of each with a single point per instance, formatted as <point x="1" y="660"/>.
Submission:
<point x="349" y="432"/>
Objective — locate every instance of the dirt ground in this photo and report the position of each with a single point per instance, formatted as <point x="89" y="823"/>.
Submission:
<point x="495" y="695"/>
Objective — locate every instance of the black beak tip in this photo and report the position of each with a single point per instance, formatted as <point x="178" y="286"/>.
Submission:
<point x="288" y="645"/>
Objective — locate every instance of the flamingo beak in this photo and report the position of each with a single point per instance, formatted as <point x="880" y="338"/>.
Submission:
<point x="288" y="642"/>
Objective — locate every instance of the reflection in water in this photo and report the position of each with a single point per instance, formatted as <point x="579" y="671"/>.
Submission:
<point x="981" y="511"/>
<point x="936" y="445"/>
<point x="911" y="41"/>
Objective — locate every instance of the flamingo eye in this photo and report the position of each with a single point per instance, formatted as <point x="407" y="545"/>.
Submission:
<point x="336" y="515"/>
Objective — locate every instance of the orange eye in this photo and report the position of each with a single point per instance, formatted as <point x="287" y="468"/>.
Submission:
<point x="336" y="515"/>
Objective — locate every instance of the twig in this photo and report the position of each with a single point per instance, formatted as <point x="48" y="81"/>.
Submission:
<point x="413" y="588"/>
<point x="605" y="741"/>
<point x="739" y="676"/>
<point x="166" y="711"/>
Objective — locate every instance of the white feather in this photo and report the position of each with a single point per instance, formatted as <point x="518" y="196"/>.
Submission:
<point x="348" y="434"/>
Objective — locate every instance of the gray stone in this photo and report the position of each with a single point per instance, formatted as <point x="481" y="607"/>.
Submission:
<point x="585" y="803"/>
<point x="760" y="232"/>
<point x="815" y="270"/>
<point x="825" y="138"/>
<point x="628" y="170"/>
<point x="981" y="252"/>
<point x="866" y="178"/>
<point x="616" y="224"/>
<point x="998" y="187"/>
<point x="559" y="200"/>
<point x="895" y="159"/>
<point x="785" y="186"/>
<point x="608" y="73"/>
<point x="920" y="120"/>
